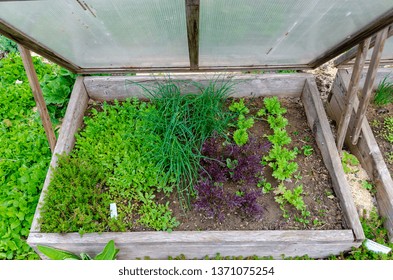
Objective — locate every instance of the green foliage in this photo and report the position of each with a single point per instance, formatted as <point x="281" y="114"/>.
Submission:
<point x="24" y="155"/>
<point x="102" y="170"/>
<point x="157" y="216"/>
<point x="7" y="45"/>
<point x="384" y="93"/>
<point x="273" y="106"/>
<point x="266" y="186"/>
<point x="367" y="185"/>
<point x="56" y="87"/>
<point x="348" y="160"/>
<point x="240" y="136"/>
<point x="307" y="150"/>
<point x="389" y="157"/>
<point x="108" y="253"/>
<point x="374" y="230"/>
<point x="294" y="198"/>
<point x="184" y="122"/>
<point x="388" y="129"/>
<point x="239" y="107"/>
<point x="281" y="160"/>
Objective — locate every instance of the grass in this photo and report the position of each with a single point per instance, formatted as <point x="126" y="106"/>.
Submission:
<point x="384" y="93"/>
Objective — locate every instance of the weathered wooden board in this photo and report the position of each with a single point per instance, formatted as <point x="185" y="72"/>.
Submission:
<point x="366" y="150"/>
<point x="319" y="124"/>
<point x="161" y="245"/>
<point x="38" y="96"/>
<point x="122" y="87"/>
<point x="193" y="244"/>
<point x="71" y="123"/>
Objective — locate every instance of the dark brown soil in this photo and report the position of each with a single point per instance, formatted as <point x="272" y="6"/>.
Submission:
<point x="319" y="195"/>
<point x="376" y="116"/>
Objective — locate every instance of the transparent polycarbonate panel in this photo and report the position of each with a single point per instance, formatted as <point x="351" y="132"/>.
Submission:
<point x="387" y="50"/>
<point x="280" y="32"/>
<point x="105" y="33"/>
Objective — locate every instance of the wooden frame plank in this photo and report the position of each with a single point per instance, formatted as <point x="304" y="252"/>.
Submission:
<point x="368" y="84"/>
<point x="366" y="150"/>
<point x="314" y="243"/>
<point x="71" y="123"/>
<point x="122" y="87"/>
<point x="352" y="92"/>
<point x="319" y="123"/>
<point x="38" y="96"/>
<point x="192" y="18"/>
<point x="345" y="58"/>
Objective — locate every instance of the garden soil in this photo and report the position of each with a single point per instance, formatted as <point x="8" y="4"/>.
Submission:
<point x="317" y="186"/>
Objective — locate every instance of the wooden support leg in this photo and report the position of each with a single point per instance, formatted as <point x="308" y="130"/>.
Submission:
<point x="192" y="16"/>
<point x="352" y="91"/>
<point x="368" y="84"/>
<point x="38" y="97"/>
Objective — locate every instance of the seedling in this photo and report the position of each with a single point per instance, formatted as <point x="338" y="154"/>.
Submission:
<point x="384" y="93"/>
<point x="348" y="160"/>
<point x="307" y="150"/>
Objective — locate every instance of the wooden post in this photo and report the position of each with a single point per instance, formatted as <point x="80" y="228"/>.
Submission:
<point x="352" y="92"/>
<point x="192" y="17"/>
<point x="368" y="84"/>
<point x="38" y="97"/>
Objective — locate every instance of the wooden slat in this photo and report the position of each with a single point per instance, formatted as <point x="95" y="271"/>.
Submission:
<point x="352" y="92"/>
<point x="38" y="96"/>
<point x="366" y="150"/>
<point x="110" y="88"/>
<point x="71" y="123"/>
<point x="30" y="43"/>
<point x="315" y="243"/>
<point x="368" y="84"/>
<point x="192" y="18"/>
<point x="319" y="124"/>
<point x="351" y="54"/>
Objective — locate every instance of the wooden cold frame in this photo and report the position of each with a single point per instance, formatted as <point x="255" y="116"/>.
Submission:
<point x="366" y="150"/>
<point x="193" y="244"/>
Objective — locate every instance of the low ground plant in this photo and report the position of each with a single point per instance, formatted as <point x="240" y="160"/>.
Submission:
<point x="384" y="93"/>
<point x="24" y="153"/>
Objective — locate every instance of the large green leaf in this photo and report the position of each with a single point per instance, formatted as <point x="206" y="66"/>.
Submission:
<point x="109" y="252"/>
<point x="57" y="254"/>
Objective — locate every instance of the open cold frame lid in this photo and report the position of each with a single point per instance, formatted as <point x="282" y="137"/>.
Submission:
<point x="92" y="36"/>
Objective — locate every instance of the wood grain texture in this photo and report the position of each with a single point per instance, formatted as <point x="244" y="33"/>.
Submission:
<point x="352" y="92"/>
<point x="160" y="245"/>
<point x="368" y="84"/>
<point x="192" y="19"/>
<point x="319" y="124"/>
<point x="38" y="96"/>
<point x="110" y="88"/>
<point x="71" y="123"/>
<point x="366" y="150"/>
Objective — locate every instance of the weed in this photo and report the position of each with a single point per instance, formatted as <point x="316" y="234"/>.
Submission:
<point x="388" y="129"/>
<point x="384" y="93"/>
<point x="348" y="160"/>
<point x="367" y="185"/>
<point x="389" y="157"/>
<point x="307" y="150"/>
